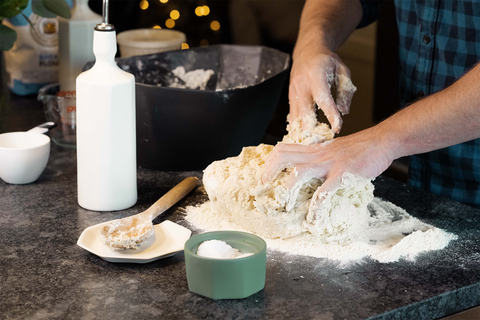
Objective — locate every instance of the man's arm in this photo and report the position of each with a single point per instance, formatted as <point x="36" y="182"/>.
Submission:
<point x="324" y="27"/>
<point x="443" y="119"/>
<point x="328" y="23"/>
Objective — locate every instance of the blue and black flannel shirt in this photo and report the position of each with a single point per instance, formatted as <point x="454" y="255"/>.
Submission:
<point x="439" y="42"/>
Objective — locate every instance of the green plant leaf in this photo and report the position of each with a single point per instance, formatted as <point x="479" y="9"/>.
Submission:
<point x="39" y="9"/>
<point x="58" y="7"/>
<point x="51" y="8"/>
<point x="10" y="8"/>
<point x="8" y="37"/>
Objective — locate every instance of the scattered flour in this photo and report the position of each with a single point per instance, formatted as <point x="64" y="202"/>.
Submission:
<point x="218" y="249"/>
<point x="348" y="224"/>
<point x="195" y="79"/>
<point x="391" y="234"/>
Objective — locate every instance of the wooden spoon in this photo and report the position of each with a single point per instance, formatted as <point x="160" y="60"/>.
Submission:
<point x="131" y="232"/>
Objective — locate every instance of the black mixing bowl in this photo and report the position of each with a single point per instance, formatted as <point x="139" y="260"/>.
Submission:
<point x="186" y="129"/>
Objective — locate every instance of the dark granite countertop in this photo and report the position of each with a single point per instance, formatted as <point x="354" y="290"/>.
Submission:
<point x="45" y="275"/>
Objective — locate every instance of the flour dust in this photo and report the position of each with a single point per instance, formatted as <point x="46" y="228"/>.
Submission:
<point x="391" y="234"/>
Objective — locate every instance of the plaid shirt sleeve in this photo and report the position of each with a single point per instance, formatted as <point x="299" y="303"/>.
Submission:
<point x="439" y="41"/>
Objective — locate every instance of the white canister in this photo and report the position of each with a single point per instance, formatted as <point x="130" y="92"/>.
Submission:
<point x="75" y="48"/>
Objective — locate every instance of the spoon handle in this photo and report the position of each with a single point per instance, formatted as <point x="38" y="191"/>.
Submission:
<point x="172" y="197"/>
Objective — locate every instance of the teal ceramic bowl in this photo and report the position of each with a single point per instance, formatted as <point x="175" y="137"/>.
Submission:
<point x="226" y="278"/>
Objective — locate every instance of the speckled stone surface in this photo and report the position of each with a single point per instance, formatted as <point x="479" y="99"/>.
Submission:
<point x="45" y="275"/>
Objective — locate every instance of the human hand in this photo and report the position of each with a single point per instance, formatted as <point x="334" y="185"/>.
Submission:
<point x="361" y="154"/>
<point x="314" y="72"/>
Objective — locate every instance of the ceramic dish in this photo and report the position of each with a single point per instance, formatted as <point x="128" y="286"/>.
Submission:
<point x="226" y="278"/>
<point x="168" y="239"/>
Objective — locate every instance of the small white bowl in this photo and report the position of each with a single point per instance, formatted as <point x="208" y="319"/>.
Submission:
<point x="23" y="156"/>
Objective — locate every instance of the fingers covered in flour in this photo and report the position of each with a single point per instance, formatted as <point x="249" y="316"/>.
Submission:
<point x="300" y="175"/>
<point x="311" y="80"/>
<point x="305" y="172"/>
<point x="361" y="154"/>
<point x="308" y="162"/>
<point x="279" y="159"/>
<point x="345" y="88"/>
<point x="324" y="100"/>
<point x="338" y="76"/>
<point x="329" y="185"/>
<point x="300" y="98"/>
<point x="288" y="155"/>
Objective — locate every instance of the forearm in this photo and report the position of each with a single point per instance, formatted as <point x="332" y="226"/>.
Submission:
<point x="327" y="23"/>
<point x="324" y="26"/>
<point x="445" y="118"/>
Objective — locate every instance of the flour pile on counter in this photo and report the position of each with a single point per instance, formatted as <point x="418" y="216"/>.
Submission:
<point x="343" y="227"/>
<point x="391" y="234"/>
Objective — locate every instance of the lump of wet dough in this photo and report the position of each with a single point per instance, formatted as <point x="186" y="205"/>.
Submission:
<point x="235" y="189"/>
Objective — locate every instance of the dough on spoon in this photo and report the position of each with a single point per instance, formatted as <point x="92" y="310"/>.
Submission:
<point x="131" y="232"/>
<point x="127" y="233"/>
<point x="234" y="187"/>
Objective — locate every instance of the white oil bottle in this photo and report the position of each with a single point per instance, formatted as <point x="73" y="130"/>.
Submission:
<point x="75" y="43"/>
<point x="106" y="146"/>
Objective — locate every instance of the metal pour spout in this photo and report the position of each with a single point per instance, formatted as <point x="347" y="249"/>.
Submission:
<point x="105" y="25"/>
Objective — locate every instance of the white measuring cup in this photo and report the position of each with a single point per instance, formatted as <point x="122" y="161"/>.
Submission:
<point x="24" y="155"/>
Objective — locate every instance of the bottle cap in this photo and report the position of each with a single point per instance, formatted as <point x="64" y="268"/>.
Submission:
<point x="105" y="25"/>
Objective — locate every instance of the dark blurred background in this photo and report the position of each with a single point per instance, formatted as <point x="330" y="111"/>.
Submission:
<point x="371" y="53"/>
<point x="247" y="22"/>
